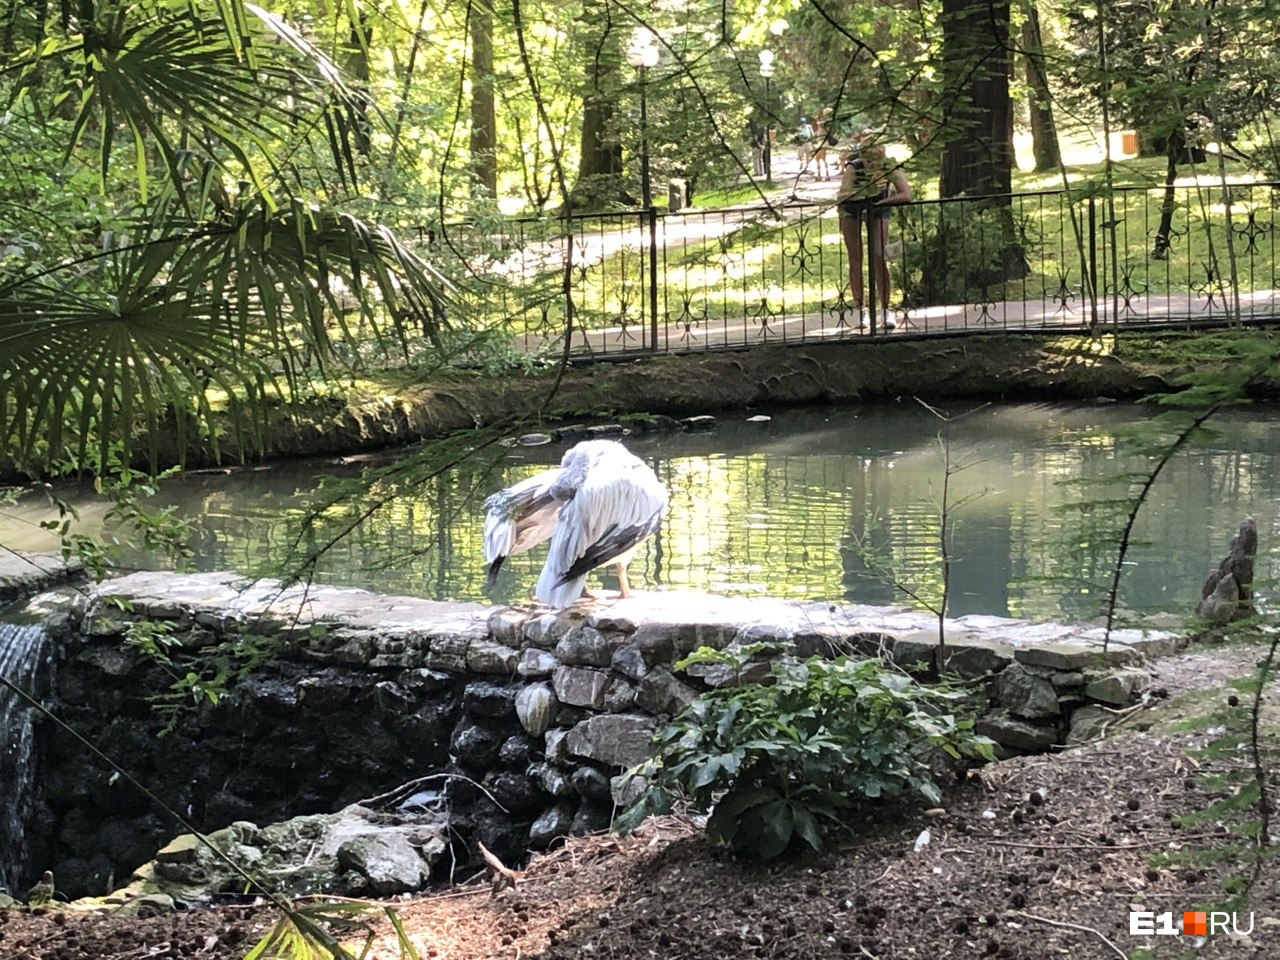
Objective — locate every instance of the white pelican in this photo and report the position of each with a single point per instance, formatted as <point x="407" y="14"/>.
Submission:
<point x="597" y="508"/>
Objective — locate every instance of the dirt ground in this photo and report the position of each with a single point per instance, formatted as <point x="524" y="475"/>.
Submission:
<point x="1032" y="858"/>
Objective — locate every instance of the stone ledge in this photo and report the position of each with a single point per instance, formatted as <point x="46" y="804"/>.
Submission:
<point x="22" y="574"/>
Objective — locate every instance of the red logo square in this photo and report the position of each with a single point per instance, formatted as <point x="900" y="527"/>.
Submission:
<point x="1194" y="924"/>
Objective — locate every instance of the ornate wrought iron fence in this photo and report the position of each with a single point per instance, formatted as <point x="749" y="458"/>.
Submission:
<point x="735" y="277"/>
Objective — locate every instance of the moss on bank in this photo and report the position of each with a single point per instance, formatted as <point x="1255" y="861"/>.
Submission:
<point x="394" y="408"/>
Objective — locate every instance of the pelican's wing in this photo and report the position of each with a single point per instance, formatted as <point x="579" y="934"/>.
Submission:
<point x="518" y="518"/>
<point x="617" y="505"/>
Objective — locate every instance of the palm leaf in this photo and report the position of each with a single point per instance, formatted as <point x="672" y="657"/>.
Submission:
<point x="139" y="337"/>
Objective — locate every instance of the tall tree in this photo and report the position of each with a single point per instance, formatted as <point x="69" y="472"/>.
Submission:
<point x="484" y="123"/>
<point x="1044" y="130"/>
<point x="599" y="179"/>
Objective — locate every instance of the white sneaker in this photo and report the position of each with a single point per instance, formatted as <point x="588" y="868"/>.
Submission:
<point x="888" y="320"/>
<point x="864" y="319"/>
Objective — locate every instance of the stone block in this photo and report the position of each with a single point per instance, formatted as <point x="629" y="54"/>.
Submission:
<point x="655" y="643"/>
<point x="628" y="661"/>
<point x="547" y="629"/>
<point x="489" y="656"/>
<point x="1026" y="695"/>
<point x="1017" y="734"/>
<point x="448" y="653"/>
<point x="625" y="789"/>
<point x="971" y="658"/>
<point x="1087" y="724"/>
<point x="662" y="693"/>
<point x="581" y="686"/>
<point x="557" y="746"/>
<point x="620" y="696"/>
<point x="535" y="663"/>
<point x="487" y="699"/>
<point x="616" y="739"/>
<point x="916" y="651"/>
<point x="1060" y="655"/>
<point x="591" y="783"/>
<point x="717" y="675"/>
<point x="506" y="625"/>
<point x="536" y="706"/>
<point x="553" y="780"/>
<point x="778" y="636"/>
<point x="585" y="646"/>
<point x="554" y="823"/>
<point x="611" y="622"/>
<point x="592" y="817"/>
<point x="391" y="698"/>
<point x="1115" y="687"/>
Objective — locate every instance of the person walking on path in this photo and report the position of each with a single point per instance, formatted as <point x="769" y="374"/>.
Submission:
<point x="869" y="186"/>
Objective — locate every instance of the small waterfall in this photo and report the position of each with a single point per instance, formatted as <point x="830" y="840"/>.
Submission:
<point x="22" y="656"/>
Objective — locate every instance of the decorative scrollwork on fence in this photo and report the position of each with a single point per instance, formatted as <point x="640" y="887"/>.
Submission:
<point x="688" y="319"/>
<point x="763" y="314"/>
<point x="1128" y="291"/>
<point x="1251" y="231"/>
<point x="1064" y="294"/>
<point x="801" y="257"/>
<point x="1213" y="288"/>
<point x="843" y="309"/>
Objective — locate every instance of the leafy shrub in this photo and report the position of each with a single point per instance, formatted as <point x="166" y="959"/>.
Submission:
<point x="787" y="758"/>
<point x="962" y="252"/>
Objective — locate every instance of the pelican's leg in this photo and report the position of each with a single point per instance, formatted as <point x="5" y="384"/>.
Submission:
<point x="624" y="589"/>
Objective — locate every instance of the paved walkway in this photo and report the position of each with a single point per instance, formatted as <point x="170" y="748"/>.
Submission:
<point x="1028" y="315"/>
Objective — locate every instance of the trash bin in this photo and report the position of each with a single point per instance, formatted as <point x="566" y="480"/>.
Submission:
<point x="677" y="190"/>
<point x="1129" y="142"/>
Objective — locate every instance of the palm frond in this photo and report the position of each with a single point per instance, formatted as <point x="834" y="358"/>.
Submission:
<point x="187" y="321"/>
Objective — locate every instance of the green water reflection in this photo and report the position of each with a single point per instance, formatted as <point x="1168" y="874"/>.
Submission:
<point x="776" y="508"/>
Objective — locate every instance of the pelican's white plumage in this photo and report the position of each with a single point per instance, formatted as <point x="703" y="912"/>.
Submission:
<point x="518" y="518"/>
<point x="597" y="507"/>
<point x="610" y="502"/>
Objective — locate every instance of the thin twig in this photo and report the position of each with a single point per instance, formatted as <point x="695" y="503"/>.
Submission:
<point x="1140" y="845"/>
<point x="1075" y="926"/>
<point x="412" y="784"/>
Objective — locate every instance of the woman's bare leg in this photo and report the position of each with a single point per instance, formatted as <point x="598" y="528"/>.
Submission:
<point x="879" y="239"/>
<point x="851" y="231"/>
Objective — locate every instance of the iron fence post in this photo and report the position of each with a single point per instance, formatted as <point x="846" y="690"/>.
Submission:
<point x="1093" y="265"/>
<point x="652" y="214"/>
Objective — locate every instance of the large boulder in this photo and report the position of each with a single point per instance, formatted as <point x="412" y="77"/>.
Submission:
<point x="354" y="852"/>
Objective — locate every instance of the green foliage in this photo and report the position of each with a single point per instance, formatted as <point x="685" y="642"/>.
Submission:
<point x="152" y="638"/>
<point x="784" y="761"/>
<point x="962" y="253"/>
<point x="203" y="274"/>
<point x="316" y="931"/>
<point x="200" y="678"/>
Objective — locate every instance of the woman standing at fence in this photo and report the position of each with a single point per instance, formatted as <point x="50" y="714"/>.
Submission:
<point x="868" y="186"/>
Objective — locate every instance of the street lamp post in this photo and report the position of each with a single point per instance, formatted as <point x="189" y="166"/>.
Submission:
<point x="766" y="71"/>
<point x="643" y="54"/>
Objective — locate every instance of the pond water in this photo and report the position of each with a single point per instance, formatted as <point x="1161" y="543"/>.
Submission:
<point x="820" y="503"/>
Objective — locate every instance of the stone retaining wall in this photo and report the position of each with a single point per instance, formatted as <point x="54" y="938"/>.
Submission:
<point x="533" y="716"/>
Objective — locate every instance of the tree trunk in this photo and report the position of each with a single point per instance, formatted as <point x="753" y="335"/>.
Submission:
<point x="1174" y="147"/>
<point x="599" y="179"/>
<point x="977" y="154"/>
<point x="1044" y="131"/>
<point x="977" y="158"/>
<point x="360" y="41"/>
<point x="484" y="122"/>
